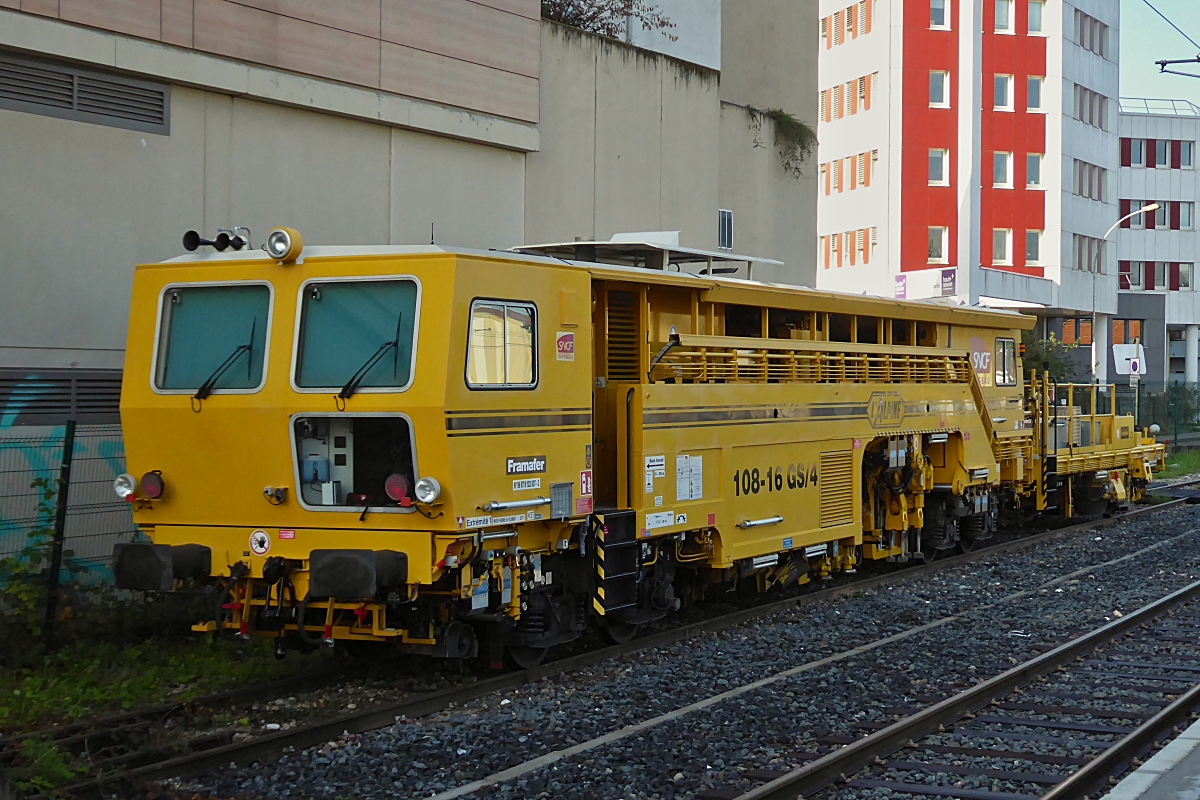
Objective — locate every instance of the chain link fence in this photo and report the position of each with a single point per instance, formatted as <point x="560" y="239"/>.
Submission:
<point x="30" y="458"/>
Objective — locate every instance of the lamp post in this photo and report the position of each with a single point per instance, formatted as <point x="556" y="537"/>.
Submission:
<point x="1096" y="269"/>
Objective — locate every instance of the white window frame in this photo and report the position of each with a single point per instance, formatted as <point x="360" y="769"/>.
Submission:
<point x="1187" y="215"/>
<point x="724" y="224"/>
<point x="1007" y="158"/>
<point x="1007" y="259"/>
<point x="1041" y="29"/>
<point x="1011" y="27"/>
<point x="1137" y="158"/>
<point x="945" y="259"/>
<point x="1162" y="217"/>
<point x="1035" y="158"/>
<point x="945" y="158"/>
<point x="945" y="101"/>
<point x="1036" y="260"/>
<point x="1139" y="272"/>
<point x="1040" y="82"/>
<point x="1187" y="155"/>
<point x="945" y="26"/>
<point x="1165" y="146"/>
<point x="1138" y="221"/>
<point x="1187" y="269"/>
<point x="1008" y="79"/>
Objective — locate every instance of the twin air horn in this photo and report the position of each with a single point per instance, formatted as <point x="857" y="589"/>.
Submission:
<point x="283" y="244"/>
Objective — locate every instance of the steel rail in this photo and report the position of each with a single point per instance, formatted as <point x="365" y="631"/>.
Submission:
<point x="837" y="765"/>
<point x="248" y="751"/>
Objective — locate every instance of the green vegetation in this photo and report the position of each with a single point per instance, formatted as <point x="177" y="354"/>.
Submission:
<point x="1180" y="464"/>
<point x="89" y="678"/>
<point x="1049" y="354"/>
<point x="794" y="138"/>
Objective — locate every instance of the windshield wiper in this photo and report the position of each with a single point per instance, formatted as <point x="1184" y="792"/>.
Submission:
<point x="361" y="373"/>
<point x="210" y="383"/>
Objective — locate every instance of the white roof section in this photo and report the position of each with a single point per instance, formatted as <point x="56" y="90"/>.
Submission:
<point x="658" y="250"/>
<point x="1160" y="106"/>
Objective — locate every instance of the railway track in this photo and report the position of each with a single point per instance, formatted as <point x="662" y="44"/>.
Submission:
<point x="1062" y="726"/>
<point x="141" y="757"/>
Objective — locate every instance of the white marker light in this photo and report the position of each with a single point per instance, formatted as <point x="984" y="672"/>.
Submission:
<point x="428" y="490"/>
<point x="125" y="485"/>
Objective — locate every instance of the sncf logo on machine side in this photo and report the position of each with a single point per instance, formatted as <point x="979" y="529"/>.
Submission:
<point x="526" y="465"/>
<point x="981" y="361"/>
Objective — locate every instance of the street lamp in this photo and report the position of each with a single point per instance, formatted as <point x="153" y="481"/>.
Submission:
<point x="1096" y="269"/>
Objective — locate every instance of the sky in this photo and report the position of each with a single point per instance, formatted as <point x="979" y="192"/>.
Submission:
<point x="1146" y="38"/>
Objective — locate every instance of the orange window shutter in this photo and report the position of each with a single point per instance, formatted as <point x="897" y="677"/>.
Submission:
<point x="866" y="248"/>
<point x="852" y="14"/>
<point x="867" y="93"/>
<point x="866" y="4"/>
<point x="853" y="172"/>
<point x="853" y="237"/>
<point x="853" y="96"/>
<point x="841" y="247"/>
<point x="825" y="249"/>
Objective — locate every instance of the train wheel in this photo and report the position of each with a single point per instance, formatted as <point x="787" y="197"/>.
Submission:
<point x="528" y="657"/>
<point x="966" y="544"/>
<point x="618" y="631"/>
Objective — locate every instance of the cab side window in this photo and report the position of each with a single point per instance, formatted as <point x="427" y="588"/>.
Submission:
<point x="1006" y="362"/>
<point x="502" y="345"/>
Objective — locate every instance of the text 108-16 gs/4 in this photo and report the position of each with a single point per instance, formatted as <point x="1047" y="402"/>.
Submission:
<point x="751" y="481"/>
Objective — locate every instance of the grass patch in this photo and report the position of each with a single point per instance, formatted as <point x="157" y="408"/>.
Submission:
<point x="1180" y="464"/>
<point x="88" y="678"/>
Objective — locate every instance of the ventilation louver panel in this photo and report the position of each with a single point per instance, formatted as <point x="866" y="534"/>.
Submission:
<point x="837" y="489"/>
<point x="623" y="353"/>
<point x="68" y="92"/>
<point x="50" y="397"/>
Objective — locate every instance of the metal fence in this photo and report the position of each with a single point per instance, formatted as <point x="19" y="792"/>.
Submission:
<point x="30" y="458"/>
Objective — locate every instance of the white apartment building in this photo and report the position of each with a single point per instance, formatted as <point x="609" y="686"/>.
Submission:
<point x="1158" y="302"/>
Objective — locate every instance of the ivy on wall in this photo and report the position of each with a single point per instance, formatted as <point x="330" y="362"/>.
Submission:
<point x="794" y="138"/>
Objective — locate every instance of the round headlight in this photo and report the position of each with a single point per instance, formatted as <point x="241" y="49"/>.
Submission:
<point x="125" y="485"/>
<point x="284" y="244"/>
<point x="396" y="486"/>
<point x="152" y="485"/>
<point x="428" y="490"/>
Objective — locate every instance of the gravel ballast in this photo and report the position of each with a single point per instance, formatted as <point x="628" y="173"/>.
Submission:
<point x="775" y="726"/>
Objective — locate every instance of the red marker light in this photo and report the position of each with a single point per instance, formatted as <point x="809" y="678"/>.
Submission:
<point x="396" y="487"/>
<point x="152" y="485"/>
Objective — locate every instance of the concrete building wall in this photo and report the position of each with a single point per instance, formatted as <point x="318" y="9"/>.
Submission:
<point x="632" y="140"/>
<point x="81" y="204"/>
<point x="466" y="53"/>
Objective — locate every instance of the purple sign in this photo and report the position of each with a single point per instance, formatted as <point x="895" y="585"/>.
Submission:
<point x="900" y="292"/>
<point x="949" y="282"/>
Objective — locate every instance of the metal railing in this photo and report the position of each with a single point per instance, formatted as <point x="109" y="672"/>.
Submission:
<point x="711" y="359"/>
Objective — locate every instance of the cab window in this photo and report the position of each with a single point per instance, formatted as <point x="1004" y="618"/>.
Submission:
<point x="357" y="331"/>
<point x="214" y="336"/>
<point x="1006" y="362"/>
<point x="502" y="346"/>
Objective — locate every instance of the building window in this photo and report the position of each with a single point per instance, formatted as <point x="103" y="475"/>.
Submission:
<point x="724" y="229"/>
<point x="1126" y="331"/>
<point x="1034" y="98"/>
<point x="1077" y="331"/>
<point x="939" y="163"/>
<point x="1089" y="253"/>
<point x="1033" y="170"/>
<point x="937" y="245"/>
<point x="1003" y="100"/>
<point x="1091" y="107"/>
<point x="1002" y="246"/>
<point x="1162" y="217"/>
<point x="1131" y="276"/>
<point x="1162" y="153"/>
<point x="1137" y="152"/>
<point x="1090" y="181"/>
<point x="1185" y="277"/>
<point x="1004" y="16"/>
<point x="939" y="84"/>
<point x="1138" y="221"/>
<point x="1186" y="150"/>
<point x="1002" y="170"/>
<point x="1033" y="247"/>
<point x="1187" y="216"/>
<point x="1091" y="34"/>
<point x="1035" y="16"/>
<point x="938" y="16"/>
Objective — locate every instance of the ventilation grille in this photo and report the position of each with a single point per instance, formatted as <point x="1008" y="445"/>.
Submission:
<point x="623" y="357"/>
<point x="67" y="92"/>
<point x="50" y="397"/>
<point x="837" y="489"/>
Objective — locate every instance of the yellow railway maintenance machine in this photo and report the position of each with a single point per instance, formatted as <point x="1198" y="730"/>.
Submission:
<point x="443" y="451"/>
